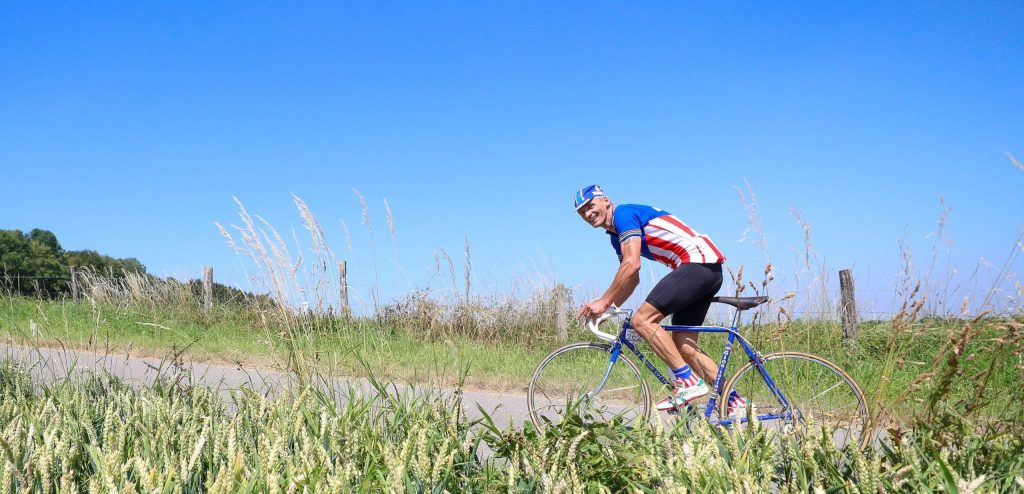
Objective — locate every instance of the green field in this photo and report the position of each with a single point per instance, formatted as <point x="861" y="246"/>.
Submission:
<point x="96" y="434"/>
<point x="940" y="382"/>
<point x="401" y="351"/>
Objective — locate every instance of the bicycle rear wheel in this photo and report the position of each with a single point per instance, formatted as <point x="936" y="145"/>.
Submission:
<point x="820" y="396"/>
<point x="567" y="381"/>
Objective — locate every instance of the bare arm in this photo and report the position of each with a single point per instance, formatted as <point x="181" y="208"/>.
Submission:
<point x="626" y="280"/>
<point x="628" y="276"/>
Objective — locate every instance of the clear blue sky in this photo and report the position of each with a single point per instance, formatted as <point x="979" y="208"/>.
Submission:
<point x="127" y="128"/>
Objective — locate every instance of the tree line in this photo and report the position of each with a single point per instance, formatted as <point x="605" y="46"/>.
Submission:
<point x="35" y="263"/>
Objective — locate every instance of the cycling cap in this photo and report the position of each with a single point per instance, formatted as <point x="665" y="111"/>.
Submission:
<point x="584" y="195"/>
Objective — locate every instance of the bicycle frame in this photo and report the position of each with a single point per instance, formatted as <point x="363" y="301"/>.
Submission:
<point x="734" y="336"/>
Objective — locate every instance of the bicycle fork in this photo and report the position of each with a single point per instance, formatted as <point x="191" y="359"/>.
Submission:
<point x="616" y="350"/>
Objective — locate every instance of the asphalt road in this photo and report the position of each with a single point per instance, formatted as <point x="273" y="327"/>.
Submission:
<point x="48" y="364"/>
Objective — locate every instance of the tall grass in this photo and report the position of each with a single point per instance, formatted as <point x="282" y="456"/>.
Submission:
<point x="301" y="314"/>
<point x="945" y="395"/>
<point x="96" y="434"/>
<point x="304" y="288"/>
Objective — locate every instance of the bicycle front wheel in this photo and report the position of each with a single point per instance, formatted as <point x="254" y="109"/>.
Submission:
<point x="568" y="382"/>
<point x="815" y="393"/>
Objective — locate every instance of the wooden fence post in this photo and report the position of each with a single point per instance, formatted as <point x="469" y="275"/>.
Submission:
<point x="343" y="283"/>
<point x="847" y="306"/>
<point x="561" y="323"/>
<point x="74" y="284"/>
<point x="207" y="289"/>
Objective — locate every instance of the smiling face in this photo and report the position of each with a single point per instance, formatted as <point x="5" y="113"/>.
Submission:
<point x="597" y="213"/>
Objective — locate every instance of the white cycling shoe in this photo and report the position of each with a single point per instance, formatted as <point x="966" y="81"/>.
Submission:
<point x="686" y="390"/>
<point x="737" y="409"/>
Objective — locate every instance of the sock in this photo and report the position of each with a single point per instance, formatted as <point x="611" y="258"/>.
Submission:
<point x="683" y="372"/>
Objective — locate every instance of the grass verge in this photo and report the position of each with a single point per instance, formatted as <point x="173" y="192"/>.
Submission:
<point x="233" y="335"/>
<point x="93" y="433"/>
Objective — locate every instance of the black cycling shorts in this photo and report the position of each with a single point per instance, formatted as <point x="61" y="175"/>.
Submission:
<point x="686" y="293"/>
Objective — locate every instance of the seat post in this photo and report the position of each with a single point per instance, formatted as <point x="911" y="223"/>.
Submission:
<point x="736" y="319"/>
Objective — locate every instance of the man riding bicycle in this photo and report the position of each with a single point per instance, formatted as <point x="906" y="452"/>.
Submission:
<point x="639" y="231"/>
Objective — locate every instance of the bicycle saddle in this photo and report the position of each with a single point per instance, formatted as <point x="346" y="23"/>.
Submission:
<point x="741" y="303"/>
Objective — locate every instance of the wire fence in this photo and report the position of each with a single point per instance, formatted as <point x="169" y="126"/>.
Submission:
<point x="873" y="304"/>
<point x="36" y="285"/>
<point x="71" y="284"/>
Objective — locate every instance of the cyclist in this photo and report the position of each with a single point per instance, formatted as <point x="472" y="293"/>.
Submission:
<point x="639" y="231"/>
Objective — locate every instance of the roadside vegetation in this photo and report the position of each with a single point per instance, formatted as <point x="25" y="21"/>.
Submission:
<point x="944" y="390"/>
<point x="93" y="433"/>
<point x="499" y="359"/>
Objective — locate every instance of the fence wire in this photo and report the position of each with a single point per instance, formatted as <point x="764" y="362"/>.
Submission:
<point x="29" y="285"/>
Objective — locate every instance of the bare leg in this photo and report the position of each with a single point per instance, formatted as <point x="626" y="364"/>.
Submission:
<point x="686" y="343"/>
<point x="646" y="323"/>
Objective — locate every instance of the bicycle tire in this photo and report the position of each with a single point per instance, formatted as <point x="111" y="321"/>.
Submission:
<point x="845" y="412"/>
<point x="626" y="395"/>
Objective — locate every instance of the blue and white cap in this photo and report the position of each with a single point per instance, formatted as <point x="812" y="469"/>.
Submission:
<point x="584" y="195"/>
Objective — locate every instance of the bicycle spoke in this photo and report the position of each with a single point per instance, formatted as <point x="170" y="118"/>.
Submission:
<point x="576" y="371"/>
<point x="815" y="397"/>
<point x="815" y="391"/>
<point x="545" y="395"/>
<point x="619" y="389"/>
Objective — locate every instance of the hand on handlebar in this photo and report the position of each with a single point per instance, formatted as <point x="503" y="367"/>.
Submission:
<point x="593" y="318"/>
<point x="593" y="309"/>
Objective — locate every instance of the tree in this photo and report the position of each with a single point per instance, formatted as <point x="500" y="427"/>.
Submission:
<point x="103" y="264"/>
<point x="13" y="252"/>
<point x="36" y="262"/>
<point x="46" y="238"/>
<point x="33" y="260"/>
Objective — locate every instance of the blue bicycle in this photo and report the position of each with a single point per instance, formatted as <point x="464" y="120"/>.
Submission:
<point x="791" y="389"/>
